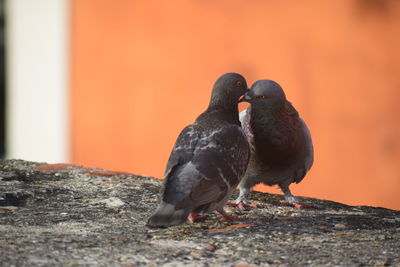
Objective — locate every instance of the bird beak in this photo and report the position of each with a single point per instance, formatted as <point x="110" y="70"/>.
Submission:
<point x="245" y="97"/>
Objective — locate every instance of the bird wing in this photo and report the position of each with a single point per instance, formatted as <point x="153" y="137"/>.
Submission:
<point x="183" y="149"/>
<point x="308" y="156"/>
<point x="180" y="176"/>
<point x="204" y="165"/>
<point x="223" y="154"/>
<point x="309" y="148"/>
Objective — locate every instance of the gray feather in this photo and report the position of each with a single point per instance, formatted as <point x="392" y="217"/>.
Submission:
<point x="167" y="215"/>
<point x="209" y="157"/>
<point x="281" y="144"/>
<point x="309" y="149"/>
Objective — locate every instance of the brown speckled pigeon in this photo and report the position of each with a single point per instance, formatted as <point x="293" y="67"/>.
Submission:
<point x="281" y="146"/>
<point x="208" y="160"/>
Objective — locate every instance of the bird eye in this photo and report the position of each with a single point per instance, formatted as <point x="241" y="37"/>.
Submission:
<point x="239" y="83"/>
<point x="262" y="96"/>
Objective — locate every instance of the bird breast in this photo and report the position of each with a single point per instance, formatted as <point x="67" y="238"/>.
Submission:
<point x="277" y="142"/>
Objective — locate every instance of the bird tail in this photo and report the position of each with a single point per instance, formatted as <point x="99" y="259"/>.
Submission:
<point x="166" y="215"/>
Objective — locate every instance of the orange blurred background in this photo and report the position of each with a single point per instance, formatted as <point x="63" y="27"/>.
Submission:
<point x="142" y="70"/>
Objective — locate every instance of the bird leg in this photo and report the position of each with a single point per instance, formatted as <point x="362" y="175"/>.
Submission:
<point x="193" y="217"/>
<point x="290" y="200"/>
<point x="241" y="202"/>
<point x="226" y="217"/>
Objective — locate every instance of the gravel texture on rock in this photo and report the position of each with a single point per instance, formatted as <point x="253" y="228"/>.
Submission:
<point x="63" y="215"/>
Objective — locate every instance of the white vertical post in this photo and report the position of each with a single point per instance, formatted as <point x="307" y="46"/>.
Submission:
<point x="37" y="45"/>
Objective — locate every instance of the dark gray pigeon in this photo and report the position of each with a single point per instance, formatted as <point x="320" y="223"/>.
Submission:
<point x="208" y="160"/>
<point x="281" y="147"/>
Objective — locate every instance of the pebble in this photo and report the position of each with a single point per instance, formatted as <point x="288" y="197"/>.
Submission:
<point x="340" y="226"/>
<point x="380" y="237"/>
<point x="8" y="208"/>
<point x="196" y="253"/>
<point x="211" y="248"/>
<point x="112" y="202"/>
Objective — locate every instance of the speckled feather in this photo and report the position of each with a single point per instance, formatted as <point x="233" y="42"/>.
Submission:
<point x="208" y="160"/>
<point x="217" y="155"/>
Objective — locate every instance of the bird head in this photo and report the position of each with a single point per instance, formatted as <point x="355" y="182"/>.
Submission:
<point x="228" y="89"/>
<point x="264" y="92"/>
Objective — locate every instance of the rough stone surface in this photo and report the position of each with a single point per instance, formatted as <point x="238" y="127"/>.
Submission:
<point x="66" y="215"/>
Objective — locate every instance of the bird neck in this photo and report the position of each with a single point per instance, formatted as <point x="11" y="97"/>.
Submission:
<point x="266" y="114"/>
<point x="224" y="103"/>
<point x="229" y="113"/>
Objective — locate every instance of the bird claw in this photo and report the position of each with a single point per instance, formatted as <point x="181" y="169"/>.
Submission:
<point x="231" y="204"/>
<point x="296" y="205"/>
<point x="193" y="217"/>
<point x="241" y="205"/>
<point x="226" y="217"/>
<point x="302" y="206"/>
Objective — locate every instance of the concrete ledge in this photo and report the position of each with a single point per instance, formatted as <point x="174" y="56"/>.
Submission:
<point x="52" y="215"/>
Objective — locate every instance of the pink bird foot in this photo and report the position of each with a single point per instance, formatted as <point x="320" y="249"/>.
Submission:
<point x="193" y="217"/>
<point x="226" y="217"/>
<point x="296" y="205"/>
<point x="302" y="206"/>
<point x="241" y="205"/>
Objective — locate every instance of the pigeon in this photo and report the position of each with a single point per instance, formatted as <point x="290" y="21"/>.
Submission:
<point x="208" y="160"/>
<point x="281" y="146"/>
